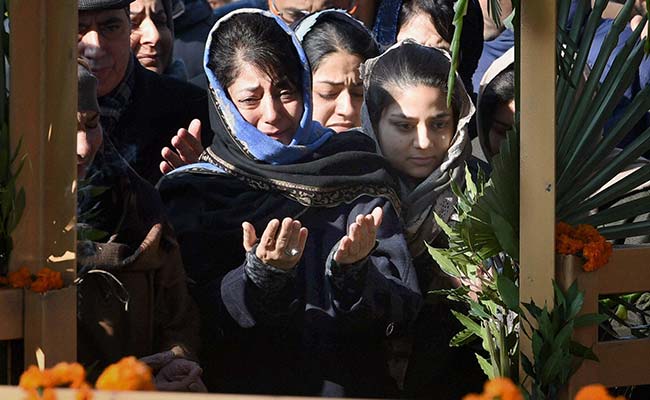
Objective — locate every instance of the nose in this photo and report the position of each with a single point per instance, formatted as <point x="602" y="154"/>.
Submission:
<point x="422" y="138"/>
<point x="271" y="109"/>
<point x="150" y="32"/>
<point x="84" y="147"/>
<point x="344" y="106"/>
<point x="89" y="46"/>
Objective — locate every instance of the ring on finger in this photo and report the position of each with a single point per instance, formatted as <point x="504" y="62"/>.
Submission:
<point x="291" y="252"/>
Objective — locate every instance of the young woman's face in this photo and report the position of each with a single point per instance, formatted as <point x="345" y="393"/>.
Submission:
<point x="421" y="29"/>
<point x="338" y="91"/>
<point x="89" y="140"/>
<point x="274" y="108"/>
<point x="416" y="130"/>
<point x="504" y="119"/>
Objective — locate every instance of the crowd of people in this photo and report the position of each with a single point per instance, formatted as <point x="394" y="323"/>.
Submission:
<point x="260" y="182"/>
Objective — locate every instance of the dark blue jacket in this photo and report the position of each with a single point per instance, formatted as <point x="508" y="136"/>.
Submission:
<point x="316" y="331"/>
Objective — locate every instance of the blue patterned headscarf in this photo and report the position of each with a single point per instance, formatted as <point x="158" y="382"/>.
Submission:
<point x="309" y="136"/>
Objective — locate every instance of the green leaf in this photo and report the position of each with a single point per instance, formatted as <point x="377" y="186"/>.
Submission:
<point x="589" y="319"/>
<point x="462" y="338"/>
<point x="485" y="366"/>
<point x="477" y="310"/>
<point x="460" y="9"/>
<point x="446" y="264"/>
<point x="508" y="292"/>
<point x="505" y="235"/>
<point x="576" y="305"/>
<point x="468" y="322"/>
<point x="581" y="351"/>
<point x="444" y="226"/>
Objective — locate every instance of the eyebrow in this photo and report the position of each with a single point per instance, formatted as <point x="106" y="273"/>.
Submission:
<point x="443" y="114"/>
<point x="110" y="20"/>
<point x="248" y="89"/>
<point x="338" y="83"/>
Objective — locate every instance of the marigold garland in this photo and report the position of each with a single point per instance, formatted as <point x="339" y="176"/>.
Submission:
<point x="504" y="389"/>
<point x="595" y="392"/>
<point x="40" y="384"/>
<point x="497" y="389"/>
<point x="584" y="241"/>
<point x="127" y="374"/>
<point x="46" y="279"/>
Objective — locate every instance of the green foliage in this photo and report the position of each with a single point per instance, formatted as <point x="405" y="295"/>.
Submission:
<point x="12" y="198"/>
<point x="586" y="160"/>
<point x="460" y="9"/>
<point x="555" y="356"/>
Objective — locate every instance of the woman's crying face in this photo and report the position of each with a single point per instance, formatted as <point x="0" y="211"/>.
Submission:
<point x="273" y="107"/>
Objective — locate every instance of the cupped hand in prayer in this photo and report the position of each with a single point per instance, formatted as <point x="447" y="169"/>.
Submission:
<point x="281" y="245"/>
<point x="360" y="240"/>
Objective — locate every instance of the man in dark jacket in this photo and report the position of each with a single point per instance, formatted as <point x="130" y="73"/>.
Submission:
<point x="132" y="289"/>
<point x="140" y="110"/>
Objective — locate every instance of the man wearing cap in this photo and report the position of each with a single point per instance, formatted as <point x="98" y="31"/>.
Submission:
<point x="140" y="110"/>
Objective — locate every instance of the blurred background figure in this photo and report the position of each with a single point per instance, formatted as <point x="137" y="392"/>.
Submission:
<point x="193" y="20"/>
<point x="289" y="10"/>
<point x="218" y="3"/>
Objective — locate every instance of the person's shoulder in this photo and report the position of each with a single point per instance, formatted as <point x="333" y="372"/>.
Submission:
<point x="236" y="5"/>
<point x="150" y="83"/>
<point x="350" y="140"/>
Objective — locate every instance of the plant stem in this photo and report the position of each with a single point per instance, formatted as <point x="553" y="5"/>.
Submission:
<point x="503" y="351"/>
<point x="494" y="361"/>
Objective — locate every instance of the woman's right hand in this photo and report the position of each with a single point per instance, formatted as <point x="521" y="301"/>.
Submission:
<point x="281" y="249"/>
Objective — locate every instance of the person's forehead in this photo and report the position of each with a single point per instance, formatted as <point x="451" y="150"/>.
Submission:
<point x="312" y="5"/>
<point x="155" y="5"/>
<point x="102" y="16"/>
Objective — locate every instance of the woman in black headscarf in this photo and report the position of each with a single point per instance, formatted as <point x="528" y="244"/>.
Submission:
<point x="303" y="310"/>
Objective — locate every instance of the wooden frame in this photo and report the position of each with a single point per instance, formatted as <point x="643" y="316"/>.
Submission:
<point x="537" y="156"/>
<point x="624" y="362"/>
<point x="43" y="113"/>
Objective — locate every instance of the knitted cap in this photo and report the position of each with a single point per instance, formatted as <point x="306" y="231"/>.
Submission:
<point x="91" y="5"/>
<point x="87" y="83"/>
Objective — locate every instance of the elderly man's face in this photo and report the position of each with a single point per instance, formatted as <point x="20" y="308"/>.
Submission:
<point x="103" y="39"/>
<point x="292" y="10"/>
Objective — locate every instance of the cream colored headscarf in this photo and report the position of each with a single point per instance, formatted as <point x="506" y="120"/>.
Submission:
<point x="434" y="193"/>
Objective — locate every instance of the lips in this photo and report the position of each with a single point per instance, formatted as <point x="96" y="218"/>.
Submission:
<point x="148" y="59"/>
<point x="341" y="125"/>
<point x="422" y="161"/>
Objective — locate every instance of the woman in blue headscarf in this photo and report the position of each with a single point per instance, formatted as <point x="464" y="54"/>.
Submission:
<point x="304" y="309"/>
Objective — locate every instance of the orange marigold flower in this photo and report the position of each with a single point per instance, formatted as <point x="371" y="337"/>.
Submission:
<point x="502" y="389"/>
<point x="84" y="393"/>
<point x="566" y="245"/>
<point x="4" y="281"/>
<point x="587" y="233"/>
<point x="473" y="396"/>
<point x="127" y="374"/>
<point x="68" y="374"/>
<point x="47" y="279"/>
<point x="593" y="392"/>
<point x="21" y="278"/>
<point x="34" y="378"/>
<point x="597" y="254"/>
<point x="562" y="228"/>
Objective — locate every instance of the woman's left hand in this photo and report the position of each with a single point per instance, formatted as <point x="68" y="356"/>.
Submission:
<point x="360" y="240"/>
